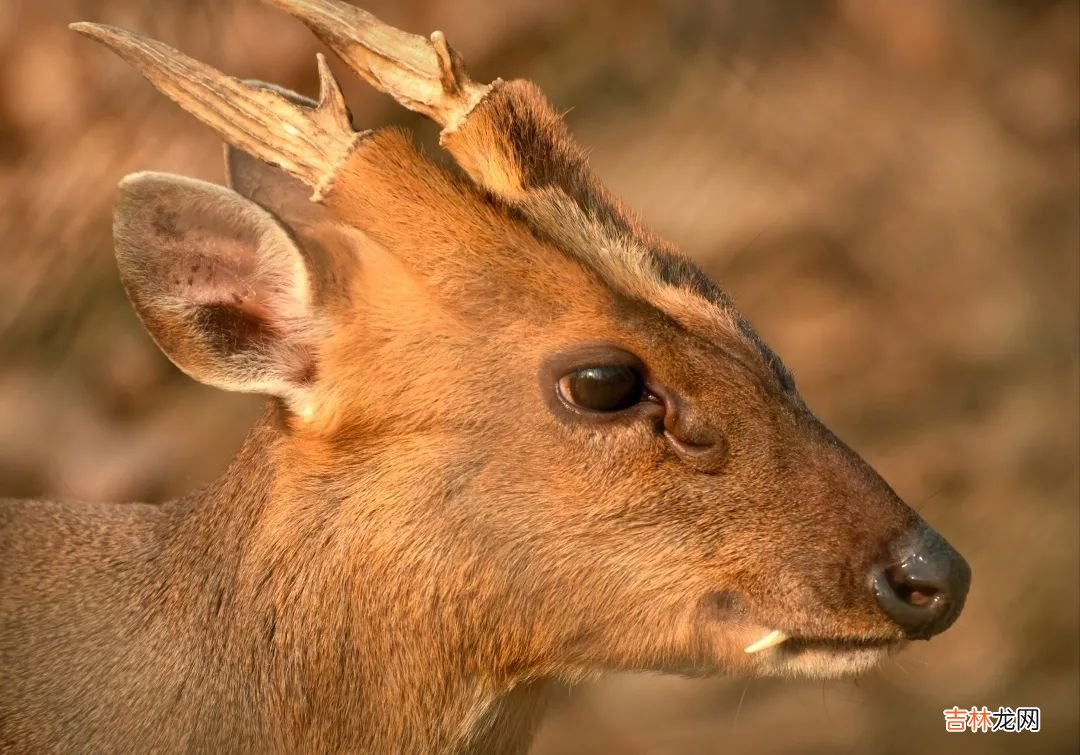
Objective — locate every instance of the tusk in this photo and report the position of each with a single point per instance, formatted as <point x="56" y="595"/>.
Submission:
<point x="775" y="637"/>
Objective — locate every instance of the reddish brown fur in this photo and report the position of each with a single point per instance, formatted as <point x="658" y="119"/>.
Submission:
<point x="419" y="540"/>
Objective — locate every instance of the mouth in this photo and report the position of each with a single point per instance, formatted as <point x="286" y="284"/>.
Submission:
<point x="779" y="653"/>
<point x="743" y="641"/>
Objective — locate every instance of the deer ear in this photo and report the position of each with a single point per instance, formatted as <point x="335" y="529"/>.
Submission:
<point x="220" y="284"/>
<point x="272" y="188"/>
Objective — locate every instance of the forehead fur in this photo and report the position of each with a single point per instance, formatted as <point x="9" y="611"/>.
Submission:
<point x="533" y="226"/>
<point x="516" y="146"/>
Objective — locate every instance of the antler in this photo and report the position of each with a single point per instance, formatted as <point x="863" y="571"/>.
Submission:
<point x="425" y="76"/>
<point x="309" y="143"/>
<point x="506" y="136"/>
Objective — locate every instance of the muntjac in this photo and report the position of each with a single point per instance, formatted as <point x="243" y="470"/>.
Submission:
<point x="513" y="440"/>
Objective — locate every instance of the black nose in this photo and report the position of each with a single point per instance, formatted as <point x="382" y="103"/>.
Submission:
<point x="924" y="591"/>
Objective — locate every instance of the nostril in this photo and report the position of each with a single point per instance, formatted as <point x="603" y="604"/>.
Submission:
<point x="916" y="597"/>
<point x="915" y="592"/>
<point x="914" y="607"/>
<point x="924" y="592"/>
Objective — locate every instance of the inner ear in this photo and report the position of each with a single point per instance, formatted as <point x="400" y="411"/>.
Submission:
<point x="221" y="285"/>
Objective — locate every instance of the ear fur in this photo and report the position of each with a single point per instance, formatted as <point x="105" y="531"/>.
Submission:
<point x="221" y="285"/>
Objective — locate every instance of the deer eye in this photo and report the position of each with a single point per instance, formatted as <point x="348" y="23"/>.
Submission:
<point x="603" y="389"/>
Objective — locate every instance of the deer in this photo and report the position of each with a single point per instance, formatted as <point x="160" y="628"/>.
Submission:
<point x="513" y="441"/>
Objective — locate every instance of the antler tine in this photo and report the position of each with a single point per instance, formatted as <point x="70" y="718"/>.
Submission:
<point x="425" y="76"/>
<point x="309" y="143"/>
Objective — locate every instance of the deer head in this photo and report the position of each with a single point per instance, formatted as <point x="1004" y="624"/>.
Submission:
<point x="554" y="440"/>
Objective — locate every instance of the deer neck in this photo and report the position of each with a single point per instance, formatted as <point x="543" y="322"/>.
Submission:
<point x="336" y="649"/>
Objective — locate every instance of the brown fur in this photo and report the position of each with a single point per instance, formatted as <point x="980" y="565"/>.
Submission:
<point x="418" y="542"/>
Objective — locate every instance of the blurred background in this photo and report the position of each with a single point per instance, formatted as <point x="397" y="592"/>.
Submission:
<point x="889" y="190"/>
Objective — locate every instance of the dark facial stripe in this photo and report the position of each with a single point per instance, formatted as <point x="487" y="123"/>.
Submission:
<point x="609" y="222"/>
<point x="787" y="382"/>
<point x="680" y="272"/>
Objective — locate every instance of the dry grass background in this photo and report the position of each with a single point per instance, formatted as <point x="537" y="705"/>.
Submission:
<point x="889" y="190"/>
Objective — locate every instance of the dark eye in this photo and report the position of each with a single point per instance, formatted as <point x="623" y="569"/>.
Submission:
<point x="603" y="389"/>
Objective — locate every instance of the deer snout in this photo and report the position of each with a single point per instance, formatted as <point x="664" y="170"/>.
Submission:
<point x="923" y="591"/>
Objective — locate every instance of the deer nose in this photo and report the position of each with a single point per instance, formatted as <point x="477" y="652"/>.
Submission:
<point x="925" y="589"/>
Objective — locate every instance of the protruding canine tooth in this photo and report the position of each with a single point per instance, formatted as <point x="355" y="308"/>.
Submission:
<point x="775" y="637"/>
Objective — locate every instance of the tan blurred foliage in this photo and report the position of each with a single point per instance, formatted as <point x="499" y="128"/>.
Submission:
<point x="889" y="190"/>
